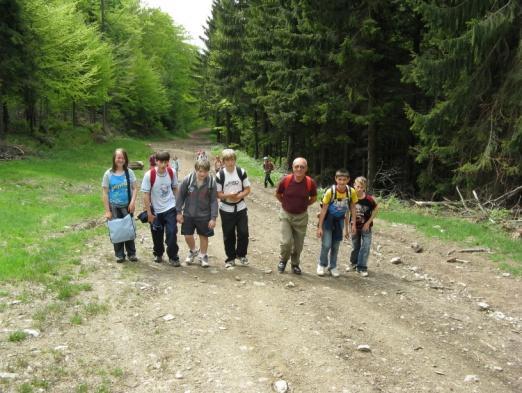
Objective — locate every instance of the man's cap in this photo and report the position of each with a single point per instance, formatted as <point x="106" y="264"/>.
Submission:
<point x="265" y="158"/>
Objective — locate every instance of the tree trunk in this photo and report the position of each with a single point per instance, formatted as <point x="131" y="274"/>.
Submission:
<point x="290" y="149"/>
<point x="256" y="135"/>
<point x="228" y="130"/>
<point x="4" y="121"/>
<point x="372" y="146"/>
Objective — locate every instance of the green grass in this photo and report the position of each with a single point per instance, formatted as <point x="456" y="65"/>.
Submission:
<point x="507" y="252"/>
<point x="17" y="336"/>
<point x="44" y="196"/>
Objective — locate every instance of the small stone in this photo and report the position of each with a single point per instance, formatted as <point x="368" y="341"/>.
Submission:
<point x="396" y="260"/>
<point x="364" y="348"/>
<point x="483" y="306"/>
<point x="237" y="278"/>
<point x="281" y="386"/>
<point x="179" y="375"/>
<point x="168" y="317"/>
<point x="32" y="332"/>
<point x="497" y="368"/>
<point x="290" y="284"/>
<point x="61" y="348"/>
<point x="471" y="378"/>
<point x="506" y="275"/>
<point x="8" y="375"/>
<point x="259" y="284"/>
<point x="417" y="247"/>
<point x="268" y="271"/>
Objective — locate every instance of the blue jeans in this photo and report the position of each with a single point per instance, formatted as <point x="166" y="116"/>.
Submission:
<point x="165" y="223"/>
<point x="361" y="242"/>
<point x="329" y="246"/>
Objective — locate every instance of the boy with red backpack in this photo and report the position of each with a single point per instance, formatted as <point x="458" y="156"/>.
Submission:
<point x="337" y="201"/>
<point x="159" y="186"/>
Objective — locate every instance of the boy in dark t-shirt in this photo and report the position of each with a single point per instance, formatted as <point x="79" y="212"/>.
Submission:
<point x="366" y="210"/>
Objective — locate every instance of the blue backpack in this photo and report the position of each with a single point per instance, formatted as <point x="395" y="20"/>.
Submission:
<point x="339" y="208"/>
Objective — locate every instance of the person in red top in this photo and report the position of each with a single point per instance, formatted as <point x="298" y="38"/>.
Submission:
<point x="295" y="192"/>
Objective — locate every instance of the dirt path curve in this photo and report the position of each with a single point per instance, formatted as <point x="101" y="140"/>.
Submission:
<point x="190" y="329"/>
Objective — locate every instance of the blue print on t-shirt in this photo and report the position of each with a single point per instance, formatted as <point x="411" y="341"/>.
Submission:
<point x="118" y="194"/>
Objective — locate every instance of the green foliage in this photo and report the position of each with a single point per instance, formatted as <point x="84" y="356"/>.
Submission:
<point x="17" y="336"/>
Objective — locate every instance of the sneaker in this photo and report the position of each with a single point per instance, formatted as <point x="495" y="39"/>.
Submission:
<point x="243" y="261"/>
<point x="203" y="259"/>
<point x="320" y="270"/>
<point x="351" y="268"/>
<point x="174" y="262"/>
<point x="363" y="273"/>
<point x="133" y="258"/>
<point x="189" y="260"/>
<point x="281" y="266"/>
<point x="120" y="259"/>
<point x="334" y="272"/>
<point x="296" y="269"/>
<point x="230" y="263"/>
<point x="158" y="258"/>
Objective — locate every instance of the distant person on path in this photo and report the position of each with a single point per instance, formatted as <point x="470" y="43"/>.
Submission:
<point x="295" y="192"/>
<point x="338" y="200"/>
<point x="365" y="211"/>
<point x="218" y="164"/>
<point x="233" y="187"/>
<point x="268" y="167"/>
<point x="197" y="209"/>
<point x="176" y="165"/>
<point x="119" y="198"/>
<point x="159" y="186"/>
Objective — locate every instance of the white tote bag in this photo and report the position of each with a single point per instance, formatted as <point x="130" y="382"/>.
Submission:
<point x="121" y="229"/>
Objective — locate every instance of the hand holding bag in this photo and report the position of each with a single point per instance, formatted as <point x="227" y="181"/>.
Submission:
<point x="121" y="229"/>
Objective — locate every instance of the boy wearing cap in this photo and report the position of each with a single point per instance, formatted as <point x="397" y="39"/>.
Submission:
<point x="268" y="167"/>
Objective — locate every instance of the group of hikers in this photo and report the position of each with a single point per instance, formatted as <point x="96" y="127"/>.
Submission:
<point x="195" y="202"/>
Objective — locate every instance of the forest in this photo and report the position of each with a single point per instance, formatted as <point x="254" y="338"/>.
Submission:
<point x="421" y="96"/>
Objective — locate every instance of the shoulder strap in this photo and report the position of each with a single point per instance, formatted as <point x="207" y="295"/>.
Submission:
<point x="152" y="177"/>
<point x="242" y="176"/>
<point x="286" y="181"/>
<point x="220" y="178"/>
<point x="171" y="173"/>
<point x="128" y="184"/>
<point x="308" y="184"/>
<point x="334" y="193"/>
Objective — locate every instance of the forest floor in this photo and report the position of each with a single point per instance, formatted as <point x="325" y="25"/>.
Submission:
<point x="146" y="327"/>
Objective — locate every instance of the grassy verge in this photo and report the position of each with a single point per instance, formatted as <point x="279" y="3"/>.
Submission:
<point x="43" y="197"/>
<point x="507" y="252"/>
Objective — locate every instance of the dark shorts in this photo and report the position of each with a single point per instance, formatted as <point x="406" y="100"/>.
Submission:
<point x="200" y="225"/>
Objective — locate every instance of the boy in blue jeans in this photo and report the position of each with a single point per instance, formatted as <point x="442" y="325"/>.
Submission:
<point x="336" y="202"/>
<point x="366" y="210"/>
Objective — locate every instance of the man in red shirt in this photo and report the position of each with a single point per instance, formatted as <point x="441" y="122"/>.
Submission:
<point x="295" y="192"/>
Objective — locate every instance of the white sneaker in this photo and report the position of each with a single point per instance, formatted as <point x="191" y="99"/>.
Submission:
<point x="351" y="268"/>
<point x="203" y="259"/>
<point x="191" y="256"/>
<point x="243" y="261"/>
<point x="230" y="264"/>
<point x="364" y="274"/>
<point x="334" y="272"/>
<point x="320" y="270"/>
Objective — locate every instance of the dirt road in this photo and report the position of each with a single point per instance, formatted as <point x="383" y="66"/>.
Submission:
<point x="191" y="329"/>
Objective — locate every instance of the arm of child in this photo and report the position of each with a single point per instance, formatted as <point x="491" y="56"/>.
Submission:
<point x="105" y="197"/>
<point x="322" y="215"/>
<point x="146" y="203"/>
<point x="366" y="226"/>
<point x="353" y="215"/>
<point x="132" y="203"/>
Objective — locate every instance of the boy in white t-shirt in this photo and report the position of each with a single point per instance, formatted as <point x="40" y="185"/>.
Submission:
<point x="232" y="187"/>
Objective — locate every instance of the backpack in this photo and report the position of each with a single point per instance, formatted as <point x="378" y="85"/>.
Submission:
<point x="152" y="160"/>
<point x="170" y="171"/>
<point x="288" y="178"/>
<point x="220" y="179"/>
<point x="331" y="209"/>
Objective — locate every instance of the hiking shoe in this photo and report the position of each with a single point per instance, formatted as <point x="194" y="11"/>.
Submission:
<point x="334" y="272"/>
<point x="351" y="268"/>
<point x="174" y="262"/>
<point x="243" y="261"/>
<point x="158" y="258"/>
<point x="133" y="258"/>
<point x="120" y="259"/>
<point x="189" y="260"/>
<point x="281" y="266"/>
<point x="203" y="259"/>
<point x="363" y="273"/>
<point x="296" y="269"/>
<point x="230" y="263"/>
<point x="320" y="270"/>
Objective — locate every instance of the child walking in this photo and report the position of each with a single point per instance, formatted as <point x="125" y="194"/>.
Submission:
<point x="232" y="187"/>
<point x="197" y="209"/>
<point x="337" y="201"/>
<point x="365" y="212"/>
<point x="119" y="198"/>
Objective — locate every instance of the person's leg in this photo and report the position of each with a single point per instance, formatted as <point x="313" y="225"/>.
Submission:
<point x="130" y="246"/>
<point x="270" y="180"/>
<point x="228" y="225"/>
<point x="119" y="250"/>
<point x="157" y="230"/>
<point x="286" y="242"/>
<point x="356" y="245"/>
<point x="333" y="254"/>
<point x="267" y="176"/>
<point x="299" y="226"/>
<point x="364" y="252"/>
<point x="242" y="233"/>
<point x="191" y="242"/>
<point x="171" y="230"/>
<point x="326" y="244"/>
<point x="203" y="244"/>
